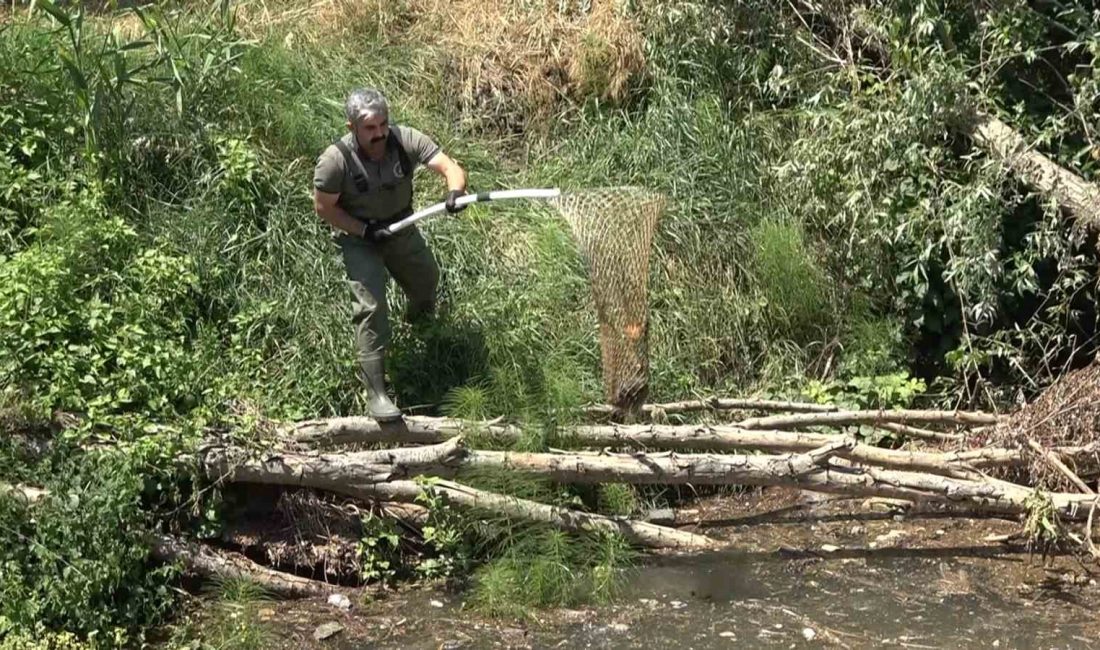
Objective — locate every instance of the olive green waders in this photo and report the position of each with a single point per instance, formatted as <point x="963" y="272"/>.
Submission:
<point x="369" y="265"/>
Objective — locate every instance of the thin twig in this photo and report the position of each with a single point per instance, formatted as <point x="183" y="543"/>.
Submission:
<point x="1088" y="531"/>
<point x="915" y="432"/>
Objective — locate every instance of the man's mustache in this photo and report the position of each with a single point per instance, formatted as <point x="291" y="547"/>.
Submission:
<point x="377" y="139"/>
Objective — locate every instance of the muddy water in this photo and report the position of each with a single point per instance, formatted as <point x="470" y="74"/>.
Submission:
<point x="731" y="600"/>
<point x="801" y="581"/>
<point x="723" y="601"/>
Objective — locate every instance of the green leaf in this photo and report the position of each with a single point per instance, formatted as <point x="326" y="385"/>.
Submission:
<point x="74" y="71"/>
<point x="135" y="45"/>
<point x="53" y="10"/>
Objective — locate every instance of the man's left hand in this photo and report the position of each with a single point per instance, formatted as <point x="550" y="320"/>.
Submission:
<point x="451" y="197"/>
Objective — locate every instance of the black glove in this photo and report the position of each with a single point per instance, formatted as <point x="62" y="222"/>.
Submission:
<point x="451" y="196"/>
<point x="375" y="232"/>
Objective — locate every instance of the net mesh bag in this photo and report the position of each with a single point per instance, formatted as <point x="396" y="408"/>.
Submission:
<point x="614" y="230"/>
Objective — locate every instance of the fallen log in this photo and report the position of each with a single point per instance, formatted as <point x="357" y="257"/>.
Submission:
<point x="203" y="560"/>
<point x="784" y="469"/>
<point x="753" y="404"/>
<point x="411" y="429"/>
<point x="845" y="418"/>
<point x="359" y="473"/>
<point x="638" y="532"/>
<point x="26" y="494"/>
<point x="427" y="430"/>
<point x="694" y="437"/>
<point x="344" y="473"/>
<point x="719" y="404"/>
<point x="1076" y="195"/>
<point x="322" y="471"/>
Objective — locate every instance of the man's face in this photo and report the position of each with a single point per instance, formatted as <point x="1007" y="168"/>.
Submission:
<point x="371" y="132"/>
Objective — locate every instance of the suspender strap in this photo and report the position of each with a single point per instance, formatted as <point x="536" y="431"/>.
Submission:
<point x="359" y="175"/>
<point x="392" y="143"/>
<point x="358" y="172"/>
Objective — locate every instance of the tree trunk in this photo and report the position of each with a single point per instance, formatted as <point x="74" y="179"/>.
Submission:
<point x="205" y="561"/>
<point x="325" y="471"/>
<point x="638" y="532"/>
<point x="680" y="438"/>
<point x="345" y="473"/>
<point x="1078" y="196"/>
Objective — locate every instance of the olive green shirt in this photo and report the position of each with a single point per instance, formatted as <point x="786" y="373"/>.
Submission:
<point x="388" y="192"/>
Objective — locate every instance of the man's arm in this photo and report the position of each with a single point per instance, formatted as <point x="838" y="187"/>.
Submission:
<point x="324" y="204"/>
<point x="455" y="176"/>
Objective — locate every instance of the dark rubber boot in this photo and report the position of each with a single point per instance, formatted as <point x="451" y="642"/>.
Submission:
<point x="374" y="375"/>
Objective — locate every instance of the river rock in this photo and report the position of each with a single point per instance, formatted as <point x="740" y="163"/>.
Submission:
<point x="326" y="630"/>
<point x="661" y="516"/>
<point x="340" y="600"/>
<point x="889" y="540"/>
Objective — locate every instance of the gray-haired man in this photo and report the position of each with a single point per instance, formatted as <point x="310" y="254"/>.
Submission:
<point x="364" y="181"/>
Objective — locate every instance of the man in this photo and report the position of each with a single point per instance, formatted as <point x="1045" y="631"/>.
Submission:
<point x="361" y="183"/>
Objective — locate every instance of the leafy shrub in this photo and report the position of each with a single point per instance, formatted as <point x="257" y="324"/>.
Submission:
<point x="77" y="560"/>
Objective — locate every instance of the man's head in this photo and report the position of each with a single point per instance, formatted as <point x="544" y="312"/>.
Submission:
<point x="368" y="116"/>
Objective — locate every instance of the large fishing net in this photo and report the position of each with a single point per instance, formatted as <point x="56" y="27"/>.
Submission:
<point x="614" y="229"/>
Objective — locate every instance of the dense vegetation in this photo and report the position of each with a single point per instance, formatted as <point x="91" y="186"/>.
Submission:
<point x="832" y="234"/>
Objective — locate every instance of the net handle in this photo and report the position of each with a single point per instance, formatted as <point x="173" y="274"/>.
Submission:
<point x="499" y="195"/>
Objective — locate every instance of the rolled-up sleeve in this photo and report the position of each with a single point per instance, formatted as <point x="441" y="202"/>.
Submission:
<point x="419" y="145"/>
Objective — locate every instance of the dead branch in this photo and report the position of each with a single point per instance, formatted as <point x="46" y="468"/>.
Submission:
<point x="324" y="471"/>
<point x="1061" y="467"/>
<point x="203" y="560"/>
<point x="844" y="418"/>
<point x="719" y="404"/>
<point x="639" y="532"/>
